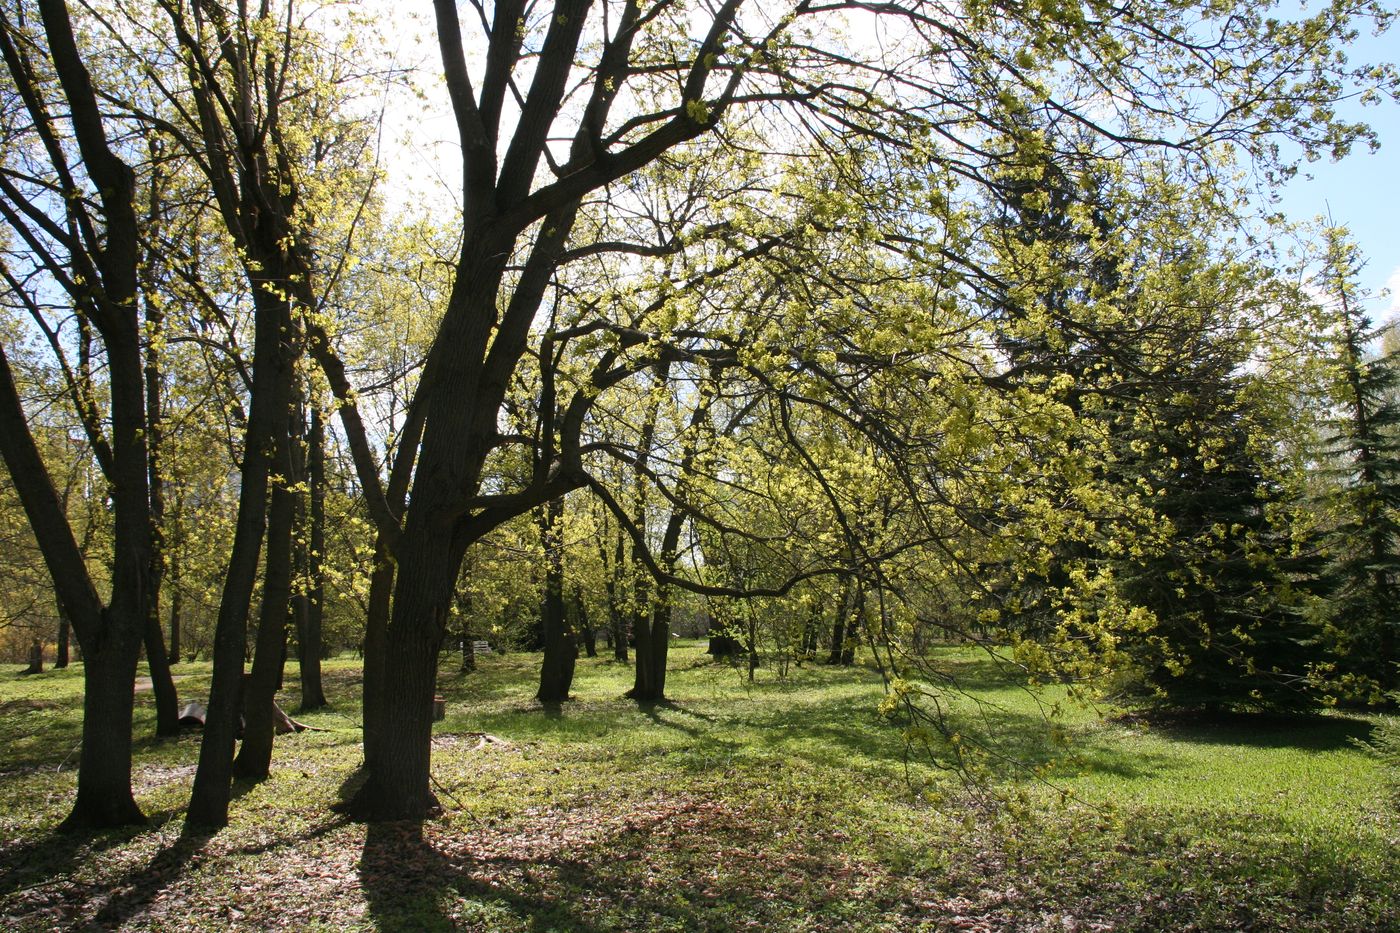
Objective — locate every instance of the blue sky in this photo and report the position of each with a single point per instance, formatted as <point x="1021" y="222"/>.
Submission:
<point x="1362" y="190"/>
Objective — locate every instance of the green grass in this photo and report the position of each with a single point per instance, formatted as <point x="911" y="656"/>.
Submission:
<point x="782" y="805"/>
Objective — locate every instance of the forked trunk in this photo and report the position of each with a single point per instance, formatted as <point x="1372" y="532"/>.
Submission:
<point x="653" y="640"/>
<point x="255" y="757"/>
<point x="398" y="747"/>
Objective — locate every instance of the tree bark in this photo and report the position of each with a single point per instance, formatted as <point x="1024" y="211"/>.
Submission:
<point x="176" y="600"/>
<point x="267" y="419"/>
<point x="255" y="757"/>
<point x="313" y="694"/>
<point x="381" y="592"/>
<point x="398" y="746"/>
<point x="162" y="683"/>
<point x="584" y="626"/>
<point x="560" y="646"/>
<point x="65" y="629"/>
<point x="653" y="641"/>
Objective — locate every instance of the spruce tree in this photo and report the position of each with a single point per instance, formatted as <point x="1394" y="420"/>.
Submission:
<point x="1362" y="457"/>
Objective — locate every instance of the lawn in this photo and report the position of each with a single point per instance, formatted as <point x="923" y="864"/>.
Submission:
<point x="786" y="804"/>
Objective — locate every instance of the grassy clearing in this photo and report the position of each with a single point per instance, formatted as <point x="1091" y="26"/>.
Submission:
<point x="782" y="805"/>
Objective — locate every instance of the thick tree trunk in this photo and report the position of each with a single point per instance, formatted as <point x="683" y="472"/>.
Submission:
<point x="653" y="641"/>
<point x="381" y="592"/>
<point x="104" y="766"/>
<point x="723" y="644"/>
<point x="560" y="647"/>
<point x="398" y="748"/>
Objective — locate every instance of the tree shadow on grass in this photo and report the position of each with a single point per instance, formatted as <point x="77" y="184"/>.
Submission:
<point x="410" y="885"/>
<point x="1304" y="732"/>
<point x="52" y="857"/>
<point x="675" y="863"/>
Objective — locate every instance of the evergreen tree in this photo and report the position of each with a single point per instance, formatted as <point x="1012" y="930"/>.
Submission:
<point x="1116" y="293"/>
<point x="1363" y="456"/>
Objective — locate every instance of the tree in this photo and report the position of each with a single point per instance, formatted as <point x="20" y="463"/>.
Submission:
<point x="1362" y="456"/>
<point x="78" y="221"/>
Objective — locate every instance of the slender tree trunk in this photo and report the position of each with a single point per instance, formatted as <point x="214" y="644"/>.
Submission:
<point x="255" y="757"/>
<point x="65" y="628"/>
<point x="313" y="694"/>
<point x="585" y="627"/>
<point x="840" y="628"/>
<point x="267" y="419"/>
<point x="157" y="661"/>
<point x="752" y="640"/>
<point x="162" y="683"/>
<point x="560" y="647"/>
<point x="176" y="605"/>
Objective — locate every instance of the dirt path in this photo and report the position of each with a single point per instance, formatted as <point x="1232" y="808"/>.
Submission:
<point x="144" y="683"/>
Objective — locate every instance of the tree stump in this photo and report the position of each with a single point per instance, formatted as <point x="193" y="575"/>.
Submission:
<point x="439" y="709"/>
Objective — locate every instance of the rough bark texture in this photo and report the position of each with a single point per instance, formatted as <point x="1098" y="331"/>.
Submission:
<point x="381" y="592"/>
<point x="653" y="640"/>
<point x="398" y="748"/>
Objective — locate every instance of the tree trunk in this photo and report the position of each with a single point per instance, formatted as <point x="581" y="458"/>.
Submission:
<point x="653" y="640"/>
<point x="162" y="684"/>
<point x="176" y="606"/>
<point x="381" y="592"/>
<point x="255" y="757"/>
<point x="584" y="626"/>
<point x="313" y="694"/>
<point x="65" y="630"/>
<point x="104" y="766"/>
<point x="842" y="628"/>
<point x="398" y="748"/>
<point x="267" y="420"/>
<point x="36" y="658"/>
<point x="560" y="647"/>
<point x="722" y="643"/>
<point x="157" y="661"/>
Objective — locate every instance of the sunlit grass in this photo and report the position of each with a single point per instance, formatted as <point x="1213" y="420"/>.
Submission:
<point x="786" y="802"/>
